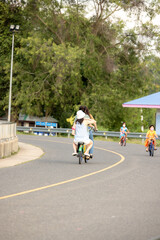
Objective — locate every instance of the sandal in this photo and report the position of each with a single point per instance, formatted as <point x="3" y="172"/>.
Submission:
<point x="74" y="154"/>
<point x="87" y="154"/>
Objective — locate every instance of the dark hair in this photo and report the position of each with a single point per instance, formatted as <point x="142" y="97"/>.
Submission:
<point x="80" y="120"/>
<point x="151" y="126"/>
<point x="123" y="123"/>
<point x="86" y="111"/>
<point x="82" y="108"/>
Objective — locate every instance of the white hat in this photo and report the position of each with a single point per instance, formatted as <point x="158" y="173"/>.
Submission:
<point x="80" y="114"/>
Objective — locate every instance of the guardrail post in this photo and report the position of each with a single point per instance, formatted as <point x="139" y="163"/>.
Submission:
<point x="105" y="135"/>
<point x="68" y="133"/>
<point x="31" y="130"/>
<point x="142" y="139"/>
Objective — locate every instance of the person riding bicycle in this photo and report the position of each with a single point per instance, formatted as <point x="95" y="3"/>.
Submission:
<point x="90" y="127"/>
<point x="151" y="135"/>
<point x="123" y="132"/>
<point x="81" y="133"/>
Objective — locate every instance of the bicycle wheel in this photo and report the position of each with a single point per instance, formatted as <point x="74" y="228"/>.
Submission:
<point x="121" y="142"/>
<point x="80" y="157"/>
<point x="85" y="159"/>
<point x="149" y="148"/>
<point x="152" y="151"/>
<point x="152" y="154"/>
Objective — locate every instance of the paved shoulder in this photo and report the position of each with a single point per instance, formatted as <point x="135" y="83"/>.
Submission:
<point x="27" y="152"/>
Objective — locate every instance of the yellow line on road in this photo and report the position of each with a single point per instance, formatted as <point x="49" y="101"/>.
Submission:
<point x="70" y="180"/>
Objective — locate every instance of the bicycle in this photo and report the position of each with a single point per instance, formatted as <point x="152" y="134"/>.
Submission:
<point x="151" y="148"/>
<point x="123" y="141"/>
<point x="80" y="153"/>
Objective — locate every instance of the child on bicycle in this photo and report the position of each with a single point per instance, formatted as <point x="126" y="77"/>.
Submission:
<point x="90" y="127"/>
<point x="94" y="126"/>
<point x="81" y="133"/>
<point x="151" y="135"/>
<point x="123" y="132"/>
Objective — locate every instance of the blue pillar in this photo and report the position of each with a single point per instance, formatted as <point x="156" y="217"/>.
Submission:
<point x="158" y="121"/>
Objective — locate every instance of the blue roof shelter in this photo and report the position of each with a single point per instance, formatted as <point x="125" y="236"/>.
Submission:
<point x="150" y="101"/>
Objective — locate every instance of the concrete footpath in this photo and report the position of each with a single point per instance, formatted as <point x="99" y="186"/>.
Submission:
<point x="26" y="153"/>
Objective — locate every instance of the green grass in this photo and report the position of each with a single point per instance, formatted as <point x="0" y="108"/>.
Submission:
<point x="24" y="133"/>
<point x="115" y="139"/>
<point x="129" y="140"/>
<point x="100" y="138"/>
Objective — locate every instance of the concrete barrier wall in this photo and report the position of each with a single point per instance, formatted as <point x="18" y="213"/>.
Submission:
<point x="8" y="139"/>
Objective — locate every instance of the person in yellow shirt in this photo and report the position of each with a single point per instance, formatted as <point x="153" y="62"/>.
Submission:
<point x="151" y="135"/>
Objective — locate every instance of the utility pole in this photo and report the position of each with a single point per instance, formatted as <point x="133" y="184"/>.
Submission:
<point x="13" y="29"/>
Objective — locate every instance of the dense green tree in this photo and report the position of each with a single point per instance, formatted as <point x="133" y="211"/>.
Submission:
<point x="63" y="59"/>
<point x="8" y="14"/>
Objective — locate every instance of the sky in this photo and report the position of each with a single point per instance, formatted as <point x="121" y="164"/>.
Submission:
<point x="121" y="14"/>
<point x="129" y="20"/>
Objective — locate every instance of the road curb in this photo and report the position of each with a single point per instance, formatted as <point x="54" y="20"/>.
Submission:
<point x="26" y="153"/>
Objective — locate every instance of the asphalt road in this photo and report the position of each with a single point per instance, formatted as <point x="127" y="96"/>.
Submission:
<point x="122" y="202"/>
